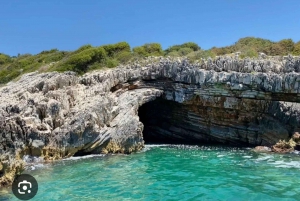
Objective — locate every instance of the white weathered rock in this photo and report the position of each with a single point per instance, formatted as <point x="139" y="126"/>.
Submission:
<point x="60" y="114"/>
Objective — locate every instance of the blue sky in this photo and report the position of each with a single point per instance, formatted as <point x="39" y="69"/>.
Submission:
<point x="35" y="25"/>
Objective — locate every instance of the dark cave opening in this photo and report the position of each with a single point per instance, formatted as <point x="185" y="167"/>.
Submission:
<point x="81" y="153"/>
<point x="169" y="122"/>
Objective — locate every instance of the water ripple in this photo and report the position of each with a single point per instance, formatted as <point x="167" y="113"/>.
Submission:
<point x="171" y="172"/>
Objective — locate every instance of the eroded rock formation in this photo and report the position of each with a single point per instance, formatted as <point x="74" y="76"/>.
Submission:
<point x="56" y="115"/>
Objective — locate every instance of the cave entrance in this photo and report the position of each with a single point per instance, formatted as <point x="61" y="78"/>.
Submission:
<point x="168" y="122"/>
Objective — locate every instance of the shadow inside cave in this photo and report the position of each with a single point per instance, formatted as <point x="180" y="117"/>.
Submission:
<point x="169" y="122"/>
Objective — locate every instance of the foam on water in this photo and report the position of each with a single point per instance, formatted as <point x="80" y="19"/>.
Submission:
<point x="157" y="145"/>
<point x="247" y="156"/>
<point x="150" y="146"/>
<point x="74" y="158"/>
<point x="32" y="159"/>
<point x="265" y="158"/>
<point x="285" y="164"/>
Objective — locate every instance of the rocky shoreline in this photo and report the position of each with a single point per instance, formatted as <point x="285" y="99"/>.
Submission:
<point x="251" y="102"/>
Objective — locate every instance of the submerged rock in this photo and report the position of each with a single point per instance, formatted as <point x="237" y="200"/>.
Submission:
<point x="56" y="115"/>
<point x="262" y="149"/>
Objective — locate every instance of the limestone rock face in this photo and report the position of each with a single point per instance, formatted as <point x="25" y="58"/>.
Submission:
<point x="56" y="115"/>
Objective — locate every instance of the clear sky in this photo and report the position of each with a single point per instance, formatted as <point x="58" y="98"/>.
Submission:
<point x="34" y="25"/>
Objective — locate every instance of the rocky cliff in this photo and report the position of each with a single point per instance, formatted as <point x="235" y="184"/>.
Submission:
<point x="226" y="100"/>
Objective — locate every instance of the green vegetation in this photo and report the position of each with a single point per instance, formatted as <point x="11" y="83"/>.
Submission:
<point x="4" y="59"/>
<point x="80" y="61"/>
<point x="87" y="57"/>
<point x="200" y="54"/>
<point x="296" y="50"/>
<point x="251" y="46"/>
<point x="113" y="50"/>
<point x="177" y="48"/>
<point x="149" y="49"/>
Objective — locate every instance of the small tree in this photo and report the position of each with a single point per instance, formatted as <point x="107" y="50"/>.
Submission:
<point x="276" y="49"/>
<point x="124" y="57"/>
<point x="185" y="51"/>
<point x="79" y="62"/>
<point x="296" y="50"/>
<point x="149" y="49"/>
<point x="4" y="58"/>
<point x="287" y="45"/>
<point x="114" y="49"/>
<point x="191" y="45"/>
<point x="82" y="48"/>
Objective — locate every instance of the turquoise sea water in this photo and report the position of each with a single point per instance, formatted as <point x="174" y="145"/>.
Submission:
<point x="170" y="173"/>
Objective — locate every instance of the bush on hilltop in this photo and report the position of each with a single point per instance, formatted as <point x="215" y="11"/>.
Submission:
<point x="149" y="49"/>
<point x="87" y="57"/>
<point x="175" y="48"/>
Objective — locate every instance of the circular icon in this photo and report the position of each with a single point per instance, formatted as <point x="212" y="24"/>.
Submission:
<point x="25" y="187"/>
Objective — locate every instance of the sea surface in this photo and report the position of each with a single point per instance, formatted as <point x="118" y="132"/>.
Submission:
<point x="170" y="172"/>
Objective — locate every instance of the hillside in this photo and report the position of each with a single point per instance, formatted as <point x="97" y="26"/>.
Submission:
<point x="87" y="57"/>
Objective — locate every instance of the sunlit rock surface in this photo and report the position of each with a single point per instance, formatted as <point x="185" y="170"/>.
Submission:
<point x="226" y="100"/>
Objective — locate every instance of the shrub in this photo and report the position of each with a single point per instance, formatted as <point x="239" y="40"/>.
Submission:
<point x="114" y="49"/>
<point x="55" y="56"/>
<point x="22" y="56"/>
<point x="49" y="51"/>
<point x="100" y="54"/>
<point x="140" y="51"/>
<point x="6" y="75"/>
<point x="250" y="46"/>
<point x="190" y="45"/>
<point x="124" y="57"/>
<point x="82" y="48"/>
<point x="50" y="56"/>
<point x="296" y="50"/>
<point x="222" y="50"/>
<point x="26" y="61"/>
<point x="173" y="54"/>
<point x="149" y="49"/>
<point x="153" y="49"/>
<point x="200" y="54"/>
<point x="193" y="46"/>
<point x="258" y="44"/>
<point x="95" y="66"/>
<point x="184" y="51"/>
<point x="249" y="53"/>
<point x="79" y="62"/>
<point x="111" y="63"/>
<point x="87" y="57"/>
<point x="135" y="56"/>
<point x="276" y="49"/>
<point x="4" y="59"/>
<point x="247" y="46"/>
<point x="287" y="46"/>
